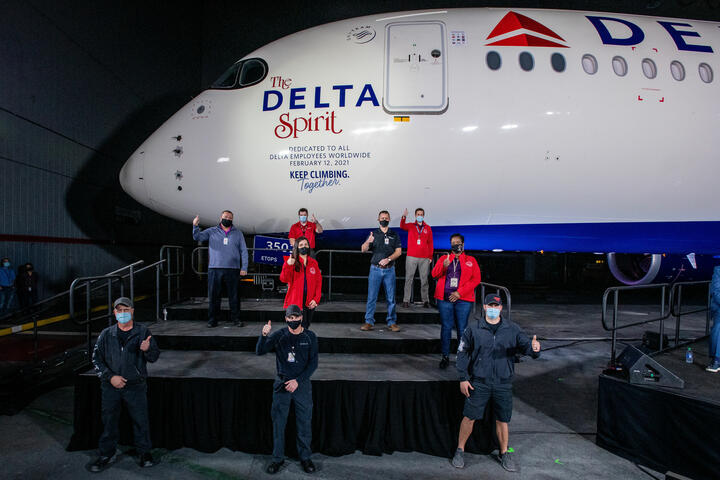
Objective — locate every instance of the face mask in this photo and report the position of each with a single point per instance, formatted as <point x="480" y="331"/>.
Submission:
<point x="492" y="313"/>
<point x="303" y="250"/>
<point x="384" y="223"/>
<point x="226" y="223"/>
<point x="303" y="218"/>
<point x="293" y="324"/>
<point x="419" y="218"/>
<point x="6" y="264"/>
<point x="29" y="269"/>
<point x="123" y="317"/>
<point x="457" y="248"/>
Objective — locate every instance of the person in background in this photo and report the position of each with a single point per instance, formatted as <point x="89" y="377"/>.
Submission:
<point x="228" y="257"/>
<point x="304" y="228"/>
<point x="27" y="284"/>
<point x="486" y="365"/>
<point x="120" y="359"/>
<point x="296" y="359"/>
<point x="7" y="285"/>
<point x="714" y="345"/>
<point x="302" y="274"/>
<point x="419" y="255"/>
<point x="457" y="276"/>
<point x="386" y="247"/>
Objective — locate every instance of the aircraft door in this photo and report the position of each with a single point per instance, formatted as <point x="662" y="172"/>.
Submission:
<point x="415" y="68"/>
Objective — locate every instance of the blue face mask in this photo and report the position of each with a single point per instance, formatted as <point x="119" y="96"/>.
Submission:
<point x="303" y="218"/>
<point x="419" y="218"/>
<point x="123" y="317"/>
<point x="6" y="264"/>
<point x="492" y="312"/>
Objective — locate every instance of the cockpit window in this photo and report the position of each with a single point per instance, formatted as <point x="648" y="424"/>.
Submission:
<point x="228" y="79"/>
<point x="252" y="72"/>
<point x="243" y="74"/>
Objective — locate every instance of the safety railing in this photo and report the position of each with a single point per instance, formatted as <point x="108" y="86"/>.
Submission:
<point x="670" y="304"/>
<point x="499" y="291"/>
<point x="87" y="283"/>
<point x="172" y="269"/>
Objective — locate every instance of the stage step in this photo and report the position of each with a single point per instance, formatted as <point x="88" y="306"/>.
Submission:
<point x="262" y="310"/>
<point x="332" y="337"/>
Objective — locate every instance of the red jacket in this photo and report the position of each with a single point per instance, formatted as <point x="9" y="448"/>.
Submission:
<point x="298" y="230"/>
<point x="469" y="277"/>
<point x="425" y="248"/>
<point x="295" y="281"/>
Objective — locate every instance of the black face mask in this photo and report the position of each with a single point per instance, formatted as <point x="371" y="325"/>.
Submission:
<point x="293" y="324"/>
<point x="303" y="250"/>
<point x="384" y="223"/>
<point x="457" y="248"/>
<point x="226" y="223"/>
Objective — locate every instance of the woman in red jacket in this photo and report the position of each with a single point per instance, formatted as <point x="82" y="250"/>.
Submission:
<point x="302" y="274"/>
<point x="457" y="276"/>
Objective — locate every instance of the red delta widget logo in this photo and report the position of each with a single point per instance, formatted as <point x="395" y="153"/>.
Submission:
<point x="290" y="125"/>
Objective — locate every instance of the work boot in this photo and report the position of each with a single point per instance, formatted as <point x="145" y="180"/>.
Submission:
<point x="394" y="327"/>
<point x="308" y="466"/>
<point x="366" y="327"/>
<point x="102" y="463"/>
<point x="274" y="467"/>
<point x="458" y="460"/>
<point x="444" y="362"/>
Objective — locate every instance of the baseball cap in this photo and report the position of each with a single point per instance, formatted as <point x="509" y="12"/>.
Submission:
<point x="293" y="310"/>
<point x="493" y="298"/>
<point x="123" y="301"/>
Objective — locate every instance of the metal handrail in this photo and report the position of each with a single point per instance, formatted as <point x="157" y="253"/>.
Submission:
<point x="87" y="281"/>
<point x="166" y="250"/>
<point x="498" y="289"/>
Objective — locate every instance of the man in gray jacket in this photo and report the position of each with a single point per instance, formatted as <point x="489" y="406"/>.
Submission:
<point x="485" y="365"/>
<point x="120" y="357"/>
<point x="228" y="256"/>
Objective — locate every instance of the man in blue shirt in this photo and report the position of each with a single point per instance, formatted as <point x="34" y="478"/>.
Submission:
<point x="714" y="346"/>
<point x="296" y="358"/>
<point x="228" y="256"/>
<point x="7" y="285"/>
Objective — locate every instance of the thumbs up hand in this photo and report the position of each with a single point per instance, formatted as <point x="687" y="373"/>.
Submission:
<point x="145" y="344"/>
<point x="535" y="344"/>
<point x="266" y="329"/>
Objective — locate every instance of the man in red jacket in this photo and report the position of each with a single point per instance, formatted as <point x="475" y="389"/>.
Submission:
<point x="302" y="274"/>
<point x="304" y="228"/>
<point x="419" y="255"/>
<point x="457" y="276"/>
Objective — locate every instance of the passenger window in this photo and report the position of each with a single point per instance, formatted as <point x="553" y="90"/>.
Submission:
<point x="677" y="70"/>
<point x="619" y="66"/>
<point x="589" y="64"/>
<point x="706" y="73"/>
<point x="253" y="71"/>
<point x="493" y="60"/>
<point x="557" y="60"/>
<point x="227" y="79"/>
<point x="649" y="68"/>
<point x="526" y="61"/>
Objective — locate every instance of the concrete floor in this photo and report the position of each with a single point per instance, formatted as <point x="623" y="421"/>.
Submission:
<point x="552" y="429"/>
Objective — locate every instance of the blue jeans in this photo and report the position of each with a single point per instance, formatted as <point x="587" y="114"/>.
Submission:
<point x="386" y="277"/>
<point x="715" y="340"/>
<point x="714" y="346"/>
<point x="7" y="295"/>
<point x="456" y="314"/>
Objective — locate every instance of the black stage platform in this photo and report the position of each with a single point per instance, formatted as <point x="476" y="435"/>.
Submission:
<point x="377" y="392"/>
<point x="665" y="428"/>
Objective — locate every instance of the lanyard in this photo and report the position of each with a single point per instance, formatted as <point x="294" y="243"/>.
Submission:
<point x="420" y="229"/>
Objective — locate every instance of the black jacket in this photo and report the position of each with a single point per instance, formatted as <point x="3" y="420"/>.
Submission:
<point x="490" y="358"/>
<point x="110" y="359"/>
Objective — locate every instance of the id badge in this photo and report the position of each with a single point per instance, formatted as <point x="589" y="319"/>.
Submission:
<point x="387" y="241"/>
<point x="453" y="283"/>
<point x="291" y="357"/>
<point x="418" y="241"/>
<point x="225" y="241"/>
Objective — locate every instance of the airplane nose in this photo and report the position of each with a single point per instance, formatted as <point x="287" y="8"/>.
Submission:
<point x="132" y="177"/>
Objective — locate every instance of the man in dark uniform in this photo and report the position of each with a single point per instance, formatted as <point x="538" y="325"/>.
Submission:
<point x="485" y="364"/>
<point x="120" y="357"/>
<point x="296" y="357"/>
<point x="386" y="247"/>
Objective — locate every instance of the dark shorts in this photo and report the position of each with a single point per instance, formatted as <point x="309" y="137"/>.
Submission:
<point x="502" y="398"/>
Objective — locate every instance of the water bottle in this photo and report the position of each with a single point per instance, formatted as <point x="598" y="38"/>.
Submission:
<point x="689" y="356"/>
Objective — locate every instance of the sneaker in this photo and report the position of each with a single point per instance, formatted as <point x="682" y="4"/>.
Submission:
<point x="366" y="327"/>
<point x="238" y="323"/>
<point x="406" y="305"/>
<point x="458" y="460"/>
<point x="274" y="467"/>
<point x="101" y="463"/>
<point x="394" y="327"/>
<point x="444" y="362"/>
<point x="146" y="460"/>
<point x="714" y="367"/>
<point x="507" y="462"/>
<point x="426" y="305"/>
<point x="308" y="466"/>
<point x="211" y="325"/>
